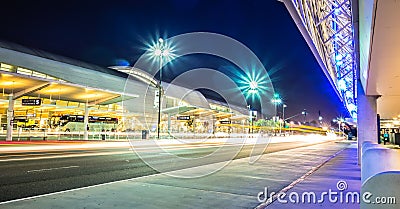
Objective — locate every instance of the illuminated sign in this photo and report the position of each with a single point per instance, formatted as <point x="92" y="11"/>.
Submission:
<point x="184" y="117"/>
<point x="31" y="102"/>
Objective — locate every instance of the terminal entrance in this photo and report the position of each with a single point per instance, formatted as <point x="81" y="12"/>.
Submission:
<point x="38" y="106"/>
<point x="35" y="106"/>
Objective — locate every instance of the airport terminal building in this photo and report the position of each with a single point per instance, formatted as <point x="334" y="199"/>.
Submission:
<point x="54" y="94"/>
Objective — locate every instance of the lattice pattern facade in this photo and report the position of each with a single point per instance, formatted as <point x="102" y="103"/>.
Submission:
<point x="328" y="25"/>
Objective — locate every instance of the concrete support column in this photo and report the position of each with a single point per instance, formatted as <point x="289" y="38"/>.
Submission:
<point x="169" y="124"/>
<point x="86" y="122"/>
<point x="10" y="117"/>
<point x="366" y="118"/>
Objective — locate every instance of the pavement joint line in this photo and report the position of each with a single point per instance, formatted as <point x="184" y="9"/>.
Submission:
<point x="299" y="180"/>
<point x="255" y="177"/>
<point x="140" y="177"/>
<point x="198" y="189"/>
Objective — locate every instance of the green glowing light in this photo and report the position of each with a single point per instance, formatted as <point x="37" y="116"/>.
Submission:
<point x="253" y="85"/>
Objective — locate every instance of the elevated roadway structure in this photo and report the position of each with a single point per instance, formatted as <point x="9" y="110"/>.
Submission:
<point x="357" y="46"/>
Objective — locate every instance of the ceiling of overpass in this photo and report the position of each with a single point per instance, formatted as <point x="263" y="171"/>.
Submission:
<point x="384" y="67"/>
<point x="328" y="29"/>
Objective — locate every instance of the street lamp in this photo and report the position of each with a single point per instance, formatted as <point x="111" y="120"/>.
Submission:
<point x="305" y="115"/>
<point x="253" y="85"/>
<point x="283" y="115"/>
<point x="340" y="122"/>
<point x="283" y="112"/>
<point x="160" y="51"/>
<point x="339" y="125"/>
<point x="320" y="119"/>
<point x="276" y="100"/>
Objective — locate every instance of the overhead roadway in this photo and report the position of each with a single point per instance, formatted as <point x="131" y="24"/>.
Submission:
<point x="327" y="27"/>
<point x="379" y="54"/>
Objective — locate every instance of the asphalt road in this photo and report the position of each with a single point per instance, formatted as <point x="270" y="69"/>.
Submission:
<point x="30" y="173"/>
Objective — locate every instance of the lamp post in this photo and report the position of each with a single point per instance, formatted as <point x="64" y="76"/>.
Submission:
<point x="276" y="100"/>
<point x="305" y="115"/>
<point x="283" y="114"/>
<point x="160" y="51"/>
<point x="340" y="122"/>
<point x="253" y="85"/>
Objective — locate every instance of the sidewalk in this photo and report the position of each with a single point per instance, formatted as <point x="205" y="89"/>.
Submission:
<point x="237" y="185"/>
<point x="341" y="174"/>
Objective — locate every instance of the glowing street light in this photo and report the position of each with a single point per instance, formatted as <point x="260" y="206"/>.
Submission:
<point x="340" y="122"/>
<point x="283" y="119"/>
<point x="160" y="51"/>
<point x="253" y="85"/>
<point x="305" y="115"/>
<point x="283" y="112"/>
<point x="276" y="100"/>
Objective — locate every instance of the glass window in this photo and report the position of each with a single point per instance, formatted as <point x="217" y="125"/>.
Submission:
<point x="6" y="67"/>
<point x="24" y="71"/>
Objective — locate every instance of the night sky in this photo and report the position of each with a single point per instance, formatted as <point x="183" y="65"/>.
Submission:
<point x="109" y="33"/>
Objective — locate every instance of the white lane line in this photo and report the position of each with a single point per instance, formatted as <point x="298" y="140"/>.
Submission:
<point x="119" y="181"/>
<point x="50" y="169"/>
<point x="65" y="156"/>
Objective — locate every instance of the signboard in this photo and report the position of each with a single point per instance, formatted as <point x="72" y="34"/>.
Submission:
<point x="253" y="114"/>
<point x="183" y="117"/>
<point x="31" y="115"/>
<point x="225" y="122"/>
<point x="31" y="102"/>
<point x="156" y="102"/>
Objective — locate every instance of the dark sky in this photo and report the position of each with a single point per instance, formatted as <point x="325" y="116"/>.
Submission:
<point x="103" y="32"/>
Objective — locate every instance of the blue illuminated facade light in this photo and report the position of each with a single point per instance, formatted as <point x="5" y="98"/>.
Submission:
<point x="328" y="29"/>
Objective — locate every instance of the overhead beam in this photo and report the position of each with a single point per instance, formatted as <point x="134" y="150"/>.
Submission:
<point x="102" y="100"/>
<point x="29" y="90"/>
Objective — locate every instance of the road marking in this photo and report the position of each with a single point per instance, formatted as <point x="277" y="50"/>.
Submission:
<point x="50" y="169"/>
<point x="119" y="181"/>
<point x="65" y="156"/>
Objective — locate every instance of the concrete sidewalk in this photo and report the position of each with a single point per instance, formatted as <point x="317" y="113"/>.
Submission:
<point x="235" y="185"/>
<point x="340" y="177"/>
